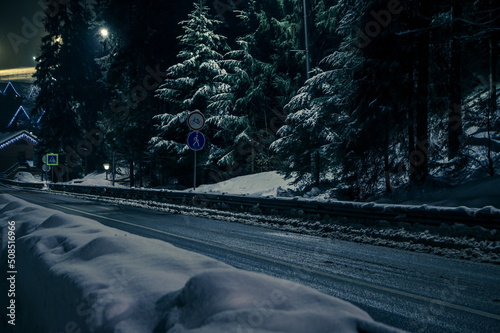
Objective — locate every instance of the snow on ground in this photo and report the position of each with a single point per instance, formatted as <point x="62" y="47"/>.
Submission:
<point x="454" y="241"/>
<point x="260" y="184"/>
<point x="478" y="193"/>
<point x="26" y="177"/>
<point x="95" y="179"/>
<point x="76" y="275"/>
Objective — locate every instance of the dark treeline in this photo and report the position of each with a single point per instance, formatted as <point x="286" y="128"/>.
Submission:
<point x="398" y="92"/>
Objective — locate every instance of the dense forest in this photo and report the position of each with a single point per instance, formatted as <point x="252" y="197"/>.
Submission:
<point x="359" y="95"/>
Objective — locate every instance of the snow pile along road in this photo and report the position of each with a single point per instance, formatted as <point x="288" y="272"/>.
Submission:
<point x="76" y="275"/>
<point x="258" y="185"/>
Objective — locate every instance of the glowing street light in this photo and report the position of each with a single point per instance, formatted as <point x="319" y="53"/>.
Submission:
<point x="106" y="167"/>
<point x="104" y="32"/>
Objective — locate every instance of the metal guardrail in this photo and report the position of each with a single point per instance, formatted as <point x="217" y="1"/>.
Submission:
<point x="427" y="215"/>
<point x="22" y="184"/>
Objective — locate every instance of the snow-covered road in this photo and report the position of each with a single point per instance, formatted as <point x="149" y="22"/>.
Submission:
<point x="413" y="291"/>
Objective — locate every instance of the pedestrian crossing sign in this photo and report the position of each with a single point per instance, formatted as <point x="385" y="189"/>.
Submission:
<point x="196" y="140"/>
<point x="52" y="159"/>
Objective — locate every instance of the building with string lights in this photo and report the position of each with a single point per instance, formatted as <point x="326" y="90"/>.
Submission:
<point x="17" y="125"/>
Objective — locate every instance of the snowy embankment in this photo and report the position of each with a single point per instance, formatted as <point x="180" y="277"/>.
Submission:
<point x="269" y="183"/>
<point x="95" y="179"/>
<point x="76" y="275"/>
<point x="478" y="193"/>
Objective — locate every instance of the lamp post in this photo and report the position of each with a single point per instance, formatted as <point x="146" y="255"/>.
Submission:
<point x="106" y="167"/>
<point x="104" y="34"/>
<point x="306" y="41"/>
<point x="114" y="168"/>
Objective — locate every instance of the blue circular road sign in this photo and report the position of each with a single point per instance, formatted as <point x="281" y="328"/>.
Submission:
<point x="196" y="140"/>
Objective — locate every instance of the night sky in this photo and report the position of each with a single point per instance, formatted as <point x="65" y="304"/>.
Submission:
<point x="17" y="22"/>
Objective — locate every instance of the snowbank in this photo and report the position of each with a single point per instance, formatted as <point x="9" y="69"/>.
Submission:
<point x="477" y="193"/>
<point x="76" y="275"/>
<point x="95" y="179"/>
<point x="260" y="184"/>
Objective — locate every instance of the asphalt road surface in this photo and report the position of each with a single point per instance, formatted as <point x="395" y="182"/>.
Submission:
<point x="413" y="291"/>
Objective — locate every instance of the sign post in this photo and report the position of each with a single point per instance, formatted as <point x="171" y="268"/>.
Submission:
<point x="52" y="160"/>
<point x="196" y="139"/>
<point x="48" y="161"/>
<point x="46" y="169"/>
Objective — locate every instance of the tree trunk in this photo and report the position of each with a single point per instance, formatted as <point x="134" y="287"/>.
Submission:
<point x="132" y="178"/>
<point x="141" y="180"/>
<point x="316" y="166"/>
<point x="387" y="170"/>
<point x="421" y="155"/>
<point x="455" y="111"/>
<point x="411" y="133"/>
<point x="492" y="105"/>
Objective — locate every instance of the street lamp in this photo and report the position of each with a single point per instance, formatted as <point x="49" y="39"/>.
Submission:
<point x="306" y="41"/>
<point x="104" y="32"/>
<point x="106" y="167"/>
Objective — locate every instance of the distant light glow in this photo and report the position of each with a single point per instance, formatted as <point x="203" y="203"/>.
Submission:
<point x="17" y="74"/>
<point x="104" y="32"/>
<point x="57" y="39"/>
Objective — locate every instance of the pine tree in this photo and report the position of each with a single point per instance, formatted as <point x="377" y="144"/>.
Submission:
<point x="318" y="123"/>
<point x="140" y="45"/>
<point x="455" y="114"/>
<point x="382" y="98"/>
<point x="481" y="118"/>
<point x="189" y="86"/>
<point x="65" y="75"/>
<point x="243" y="104"/>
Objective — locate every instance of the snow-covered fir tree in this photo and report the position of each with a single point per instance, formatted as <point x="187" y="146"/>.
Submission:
<point x="189" y="86"/>
<point x="319" y="114"/>
<point x="245" y="96"/>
